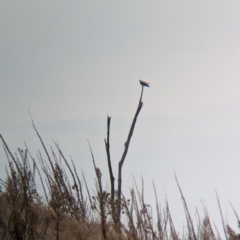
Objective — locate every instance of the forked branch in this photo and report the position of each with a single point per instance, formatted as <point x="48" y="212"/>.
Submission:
<point x="120" y="164"/>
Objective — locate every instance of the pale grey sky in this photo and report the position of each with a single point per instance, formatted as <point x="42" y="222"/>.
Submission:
<point x="73" y="62"/>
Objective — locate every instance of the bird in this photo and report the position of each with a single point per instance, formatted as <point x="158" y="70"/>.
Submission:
<point x="143" y="83"/>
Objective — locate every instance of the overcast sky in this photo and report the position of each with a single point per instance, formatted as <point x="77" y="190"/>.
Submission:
<point x="73" y="62"/>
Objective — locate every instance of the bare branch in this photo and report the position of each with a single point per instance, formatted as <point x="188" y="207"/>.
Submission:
<point x="107" y="145"/>
<point x="120" y="164"/>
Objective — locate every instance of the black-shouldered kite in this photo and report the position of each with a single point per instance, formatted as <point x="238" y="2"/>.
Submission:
<point x="143" y="83"/>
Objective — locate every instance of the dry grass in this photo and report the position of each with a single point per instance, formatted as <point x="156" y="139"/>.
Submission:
<point x="63" y="212"/>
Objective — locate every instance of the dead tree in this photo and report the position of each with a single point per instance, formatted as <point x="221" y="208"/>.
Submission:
<point x="120" y="164"/>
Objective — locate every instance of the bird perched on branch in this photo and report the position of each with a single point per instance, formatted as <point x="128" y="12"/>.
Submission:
<point x="144" y="84"/>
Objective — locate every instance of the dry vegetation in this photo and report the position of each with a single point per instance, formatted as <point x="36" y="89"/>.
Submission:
<point x="63" y="211"/>
<point x="64" y="208"/>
